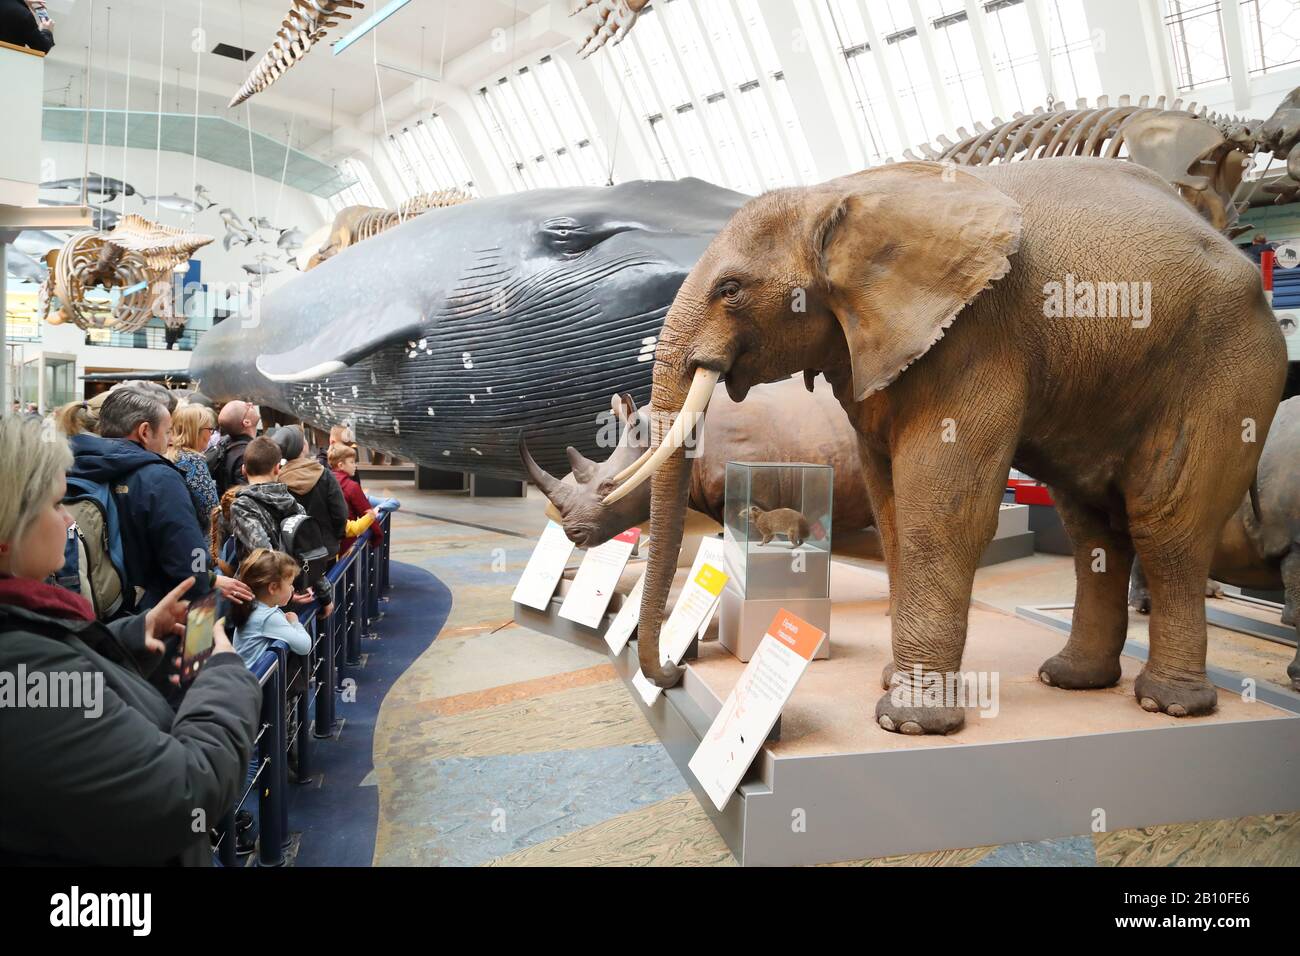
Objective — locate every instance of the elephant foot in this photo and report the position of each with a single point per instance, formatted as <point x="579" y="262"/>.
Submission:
<point x="1074" y="674"/>
<point x="1190" y="697"/>
<point x="887" y="676"/>
<point x="1212" y="589"/>
<point x="1139" y="599"/>
<point x="917" y="720"/>
<point x="1293" y="672"/>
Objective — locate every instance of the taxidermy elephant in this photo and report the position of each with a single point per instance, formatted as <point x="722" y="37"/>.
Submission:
<point x="780" y="422"/>
<point x="437" y="339"/>
<point x="1131" y="410"/>
<point x="1262" y="552"/>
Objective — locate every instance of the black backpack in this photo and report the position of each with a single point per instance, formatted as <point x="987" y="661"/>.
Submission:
<point x="302" y="537"/>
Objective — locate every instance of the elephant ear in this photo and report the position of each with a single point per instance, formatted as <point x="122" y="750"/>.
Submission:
<point x="903" y="249"/>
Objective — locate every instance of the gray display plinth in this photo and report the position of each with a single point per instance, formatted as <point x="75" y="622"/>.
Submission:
<point x="885" y="803"/>
<point x="1051" y="763"/>
<point x="742" y="624"/>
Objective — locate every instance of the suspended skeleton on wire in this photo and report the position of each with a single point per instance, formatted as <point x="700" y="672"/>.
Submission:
<point x="305" y="24"/>
<point x="134" y="264"/>
<point x="614" y="19"/>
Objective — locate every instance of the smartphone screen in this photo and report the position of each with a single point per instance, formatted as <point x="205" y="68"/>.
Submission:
<point x="198" y="636"/>
<point x="41" y="15"/>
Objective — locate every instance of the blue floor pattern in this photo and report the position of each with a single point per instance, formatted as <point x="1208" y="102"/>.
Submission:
<point x="337" y="817"/>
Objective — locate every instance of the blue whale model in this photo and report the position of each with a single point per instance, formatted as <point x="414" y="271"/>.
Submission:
<point x="443" y="338"/>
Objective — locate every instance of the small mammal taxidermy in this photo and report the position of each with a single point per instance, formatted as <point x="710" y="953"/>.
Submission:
<point x="784" y="521"/>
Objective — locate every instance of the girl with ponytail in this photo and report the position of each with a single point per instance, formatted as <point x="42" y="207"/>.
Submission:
<point x="269" y="575"/>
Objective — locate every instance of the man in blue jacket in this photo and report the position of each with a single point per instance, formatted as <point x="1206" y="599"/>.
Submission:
<point x="162" y="540"/>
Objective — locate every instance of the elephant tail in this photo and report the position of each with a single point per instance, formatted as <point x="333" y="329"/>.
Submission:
<point x="1254" y="500"/>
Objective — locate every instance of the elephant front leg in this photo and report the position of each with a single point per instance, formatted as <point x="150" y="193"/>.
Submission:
<point x="1099" y="625"/>
<point x="1291" y="582"/>
<point x="947" y="513"/>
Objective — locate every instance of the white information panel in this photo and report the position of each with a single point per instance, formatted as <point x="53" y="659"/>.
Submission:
<point x="593" y="586"/>
<point x="620" y="631"/>
<point x="545" y="568"/>
<point x="695" y="606"/>
<point x="753" y="706"/>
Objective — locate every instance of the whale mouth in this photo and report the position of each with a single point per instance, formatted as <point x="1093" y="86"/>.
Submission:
<point x="552" y="298"/>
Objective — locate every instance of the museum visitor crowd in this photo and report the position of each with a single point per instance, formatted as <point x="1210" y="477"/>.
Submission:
<point x="117" y="515"/>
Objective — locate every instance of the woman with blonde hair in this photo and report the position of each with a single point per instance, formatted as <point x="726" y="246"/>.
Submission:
<point x="105" y="774"/>
<point x="192" y="426"/>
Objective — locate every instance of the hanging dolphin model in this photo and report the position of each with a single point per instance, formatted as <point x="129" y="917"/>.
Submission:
<point x="236" y="232"/>
<point x="105" y="186"/>
<point x="290" y="241"/>
<point x="201" y="194"/>
<point x="175" y="204"/>
<point x="441" y="338"/>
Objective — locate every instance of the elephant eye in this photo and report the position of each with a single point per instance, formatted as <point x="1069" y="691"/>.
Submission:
<point x="730" y="290"/>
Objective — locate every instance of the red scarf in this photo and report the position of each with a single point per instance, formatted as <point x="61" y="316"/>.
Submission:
<point x="41" y="598"/>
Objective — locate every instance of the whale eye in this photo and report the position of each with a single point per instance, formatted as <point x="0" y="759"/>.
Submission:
<point x="567" y="236"/>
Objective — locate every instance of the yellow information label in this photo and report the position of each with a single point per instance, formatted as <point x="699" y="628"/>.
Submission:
<point x="711" y="579"/>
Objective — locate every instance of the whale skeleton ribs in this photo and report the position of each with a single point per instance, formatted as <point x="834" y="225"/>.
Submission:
<point x="359" y="223"/>
<point x="305" y="24"/>
<point x="138" y="259"/>
<point x="1202" y="154"/>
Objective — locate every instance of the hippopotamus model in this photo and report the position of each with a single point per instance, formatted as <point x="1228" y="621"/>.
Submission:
<point x="780" y="422"/>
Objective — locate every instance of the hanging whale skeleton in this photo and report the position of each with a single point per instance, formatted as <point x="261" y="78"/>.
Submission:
<point x="442" y="337"/>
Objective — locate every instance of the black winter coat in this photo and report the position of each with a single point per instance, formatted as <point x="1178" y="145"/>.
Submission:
<point x="135" y="785"/>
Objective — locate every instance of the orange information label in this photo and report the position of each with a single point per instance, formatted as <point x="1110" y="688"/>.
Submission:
<point x="796" y="633"/>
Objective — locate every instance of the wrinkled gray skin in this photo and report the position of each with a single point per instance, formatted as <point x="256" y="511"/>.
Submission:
<point x="443" y="337"/>
<point x="778" y="422"/>
<point x="1262" y="554"/>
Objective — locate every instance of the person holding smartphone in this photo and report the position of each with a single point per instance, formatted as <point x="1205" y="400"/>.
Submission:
<point x="26" y="23"/>
<point x="102" y="772"/>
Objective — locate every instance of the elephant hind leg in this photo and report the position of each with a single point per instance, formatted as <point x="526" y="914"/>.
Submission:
<point x="1103" y="555"/>
<point x="1291" y="581"/>
<point x="1175" y="550"/>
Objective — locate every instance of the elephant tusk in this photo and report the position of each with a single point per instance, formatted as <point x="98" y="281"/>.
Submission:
<point x="697" y="400"/>
<point x="632" y="469"/>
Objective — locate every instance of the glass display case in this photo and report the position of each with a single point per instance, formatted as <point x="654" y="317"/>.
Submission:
<point x="777" y="546"/>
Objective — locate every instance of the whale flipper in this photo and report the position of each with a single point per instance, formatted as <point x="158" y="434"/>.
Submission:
<point x="316" y="359"/>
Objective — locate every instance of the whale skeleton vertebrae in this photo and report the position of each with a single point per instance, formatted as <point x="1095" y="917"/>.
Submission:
<point x="304" y="25"/>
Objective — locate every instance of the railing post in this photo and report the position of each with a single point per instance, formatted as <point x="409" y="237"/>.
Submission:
<point x="271" y="796"/>
<point x="226" y="853"/>
<point x="363" y="587"/>
<point x="355" y="614"/>
<point x="387" y="549"/>
<point x="303" y="737"/>
<point x="281" y="766"/>
<point x="327" y="677"/>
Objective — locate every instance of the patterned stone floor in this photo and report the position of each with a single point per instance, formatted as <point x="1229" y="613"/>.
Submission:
<point x="504" y="747"/>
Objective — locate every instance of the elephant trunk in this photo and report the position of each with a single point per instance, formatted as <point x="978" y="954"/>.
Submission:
<point x="667" y="516"/>
<point x="685" y="397"/>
